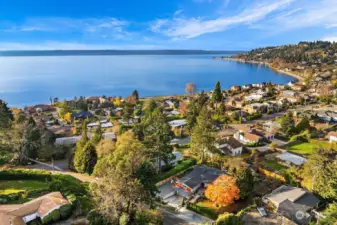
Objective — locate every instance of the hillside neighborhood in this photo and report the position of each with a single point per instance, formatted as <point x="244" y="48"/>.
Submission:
<point x="258" y="153"/>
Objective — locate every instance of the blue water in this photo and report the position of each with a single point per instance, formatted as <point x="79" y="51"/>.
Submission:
<point x="32" y="80"/>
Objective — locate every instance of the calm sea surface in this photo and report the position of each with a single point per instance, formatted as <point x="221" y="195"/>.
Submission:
<point x="32" y="80"/>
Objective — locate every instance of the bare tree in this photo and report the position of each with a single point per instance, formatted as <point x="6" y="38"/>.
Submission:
<point x="191" y="88"/>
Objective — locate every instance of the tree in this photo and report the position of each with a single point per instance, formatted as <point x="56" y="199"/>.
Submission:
<point x="131" y="100"/>
<point x="84" y="135"/>
<point x="118" y="101"/>
<point x="127" y="112"/>
<point x="98" y="135"/>
<point x="229" y="219"/>
<point x="64" y="108"/>
<point x="245" y="182"/>
<point x="287" y="124"/>
<point x="157" y="137"/>
<point x="319" y="175"/>
<point x="194" y="109"/>
<point x="223" y="191"/>
<point x="67" y="117"/>
<point x="136" y="95"/>
<point x="6" y="115"/>
<point x="202" y="136"/>
<point x="217" y="95"/>
<point x="85" y="159"/>
<point x="132" y="184"/>
<point x="183" y="109"/>
<point x="191" y="88"/>
<point x="150" y="106"/>
<point x="330" y="215"/>
<point x="105" y="148"/>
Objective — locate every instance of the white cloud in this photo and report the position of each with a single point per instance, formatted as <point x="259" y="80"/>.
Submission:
<point x="331" y="38"/>
<point x="108" y="26"/>
<point x="56" y="45"/>
<point x="182" y="28"/>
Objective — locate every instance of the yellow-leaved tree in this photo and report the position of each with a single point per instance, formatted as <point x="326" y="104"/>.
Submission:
<point x="223" y="191"/>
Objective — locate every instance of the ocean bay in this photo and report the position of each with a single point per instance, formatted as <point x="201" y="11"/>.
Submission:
<point x="33" y="80"/>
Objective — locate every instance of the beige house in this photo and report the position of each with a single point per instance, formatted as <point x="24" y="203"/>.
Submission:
<point x="21" y="214"/>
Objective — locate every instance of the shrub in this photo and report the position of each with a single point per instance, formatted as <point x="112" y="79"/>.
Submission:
<point x="47" y="219"/>
<point x="72" y="199"/>
<point x="229" y="219"/>
<point x="55" y="215"/>
<point x="208" y="212"/>
<point x="124" y="219"/>
<point x="25" y="174"/>
<point x="95" y="218"/>
<point x="65" y="211"/>
<point x="85" y="204"/>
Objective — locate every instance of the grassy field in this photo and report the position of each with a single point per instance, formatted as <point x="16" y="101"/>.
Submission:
<point x="307" y="148"/>
<point x="273" y="165"/>
<point x="14" y="186"/>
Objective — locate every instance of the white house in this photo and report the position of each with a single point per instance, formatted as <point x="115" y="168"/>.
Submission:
<point x="332" y="137"/>
<point x="230" y="146"/>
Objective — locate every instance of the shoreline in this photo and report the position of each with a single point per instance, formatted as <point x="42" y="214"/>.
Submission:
<point x="288" y="73"/>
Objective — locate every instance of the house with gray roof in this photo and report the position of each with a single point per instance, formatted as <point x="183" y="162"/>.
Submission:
<point x="293" y="203"/>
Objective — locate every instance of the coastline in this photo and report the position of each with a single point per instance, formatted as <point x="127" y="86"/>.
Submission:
<point x="288" y="73"/>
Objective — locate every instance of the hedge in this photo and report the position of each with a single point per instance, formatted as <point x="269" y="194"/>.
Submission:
<point x="181" y="166"/>
<point x="7" y="198"/>
<point x="66" y="211"/>
<point x="204" y="211"/>
<point x="25" y="174"/>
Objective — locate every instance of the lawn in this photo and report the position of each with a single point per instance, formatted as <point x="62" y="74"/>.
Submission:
<point x="183" y="165"/>
<point x="307" y="148"/>
<point x="273" y="165"/>
<point x="14" y="186"/>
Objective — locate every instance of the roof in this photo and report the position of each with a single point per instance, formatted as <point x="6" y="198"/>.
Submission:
<point x="178" y="123"/>
<point x="199" y="175"/>
<point x="81" y="115"/>
<point x="295" y="212"/>
<point x="233" y="142"/>
<point x="300" y="196"/>
<point x="251" y="136"/>
<point x="14" y="214"/>
<point x="333" y="134"/>
<point x="292" y="158"/>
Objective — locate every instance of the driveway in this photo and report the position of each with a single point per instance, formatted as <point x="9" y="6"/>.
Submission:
<point x="183" y="214"/>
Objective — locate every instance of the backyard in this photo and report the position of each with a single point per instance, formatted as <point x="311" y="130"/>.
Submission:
<point x="273" y="165"/>
<point x="15" y="186"/>
<point x="307" y="148"/>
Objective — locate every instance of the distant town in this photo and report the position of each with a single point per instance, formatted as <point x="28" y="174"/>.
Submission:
<point x="258" y="153"/>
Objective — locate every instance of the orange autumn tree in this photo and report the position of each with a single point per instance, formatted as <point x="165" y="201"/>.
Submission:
<point x="223" y="191"/>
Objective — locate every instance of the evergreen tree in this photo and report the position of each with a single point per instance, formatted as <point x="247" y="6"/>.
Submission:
<point x="85" y="159"/>
<point x="157" y="137"/>
<point x="287" y="125"/>
<point x="97" y="135"/>
<point x="6" y="115"/>
<point x="245" y="182"/>
<point x="217" y="93"/>
<point x="135" y="94"/>
<point x="203" y="137"/>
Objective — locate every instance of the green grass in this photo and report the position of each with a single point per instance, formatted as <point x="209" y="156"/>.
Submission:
<point x="307" y="148"/>
<point x="273" y="165"/>
<point x="15" y="186"/>
<point x="204" y="210"/>
<point x="177" y="169"/>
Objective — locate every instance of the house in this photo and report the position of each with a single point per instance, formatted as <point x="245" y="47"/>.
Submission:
<point x="94" y="99"/>
<point x="288" y="93"/>
<point x="271" y="126"/>
<point x="199" y="177"/>
<point x="247" y="137"/>
<point x="81" y="115"/>
<point x="291" y="159"/>
<point x="171" y="103"/>
<point x="254" y="97"/>
<point x="180" y="141"/>
<point x="230" y="146"/>
<point x="329" y="116"/>
<point x="247" y="87"/>
<point x="332" y="137"/>
<point x="236" y="88"/>
<point x="75" y="139"/>
<point x="42" y="108"/>
<point x="104" y="124"/>
<point x="297" y="87"/>
<point x="177" y="156"/>
<point x="177" y="123"/>
<point x="292" y="202"/>
<point x="21" y="214"/>
<point x="255" y="108"/>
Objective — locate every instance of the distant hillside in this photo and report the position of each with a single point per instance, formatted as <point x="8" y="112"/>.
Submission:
<point x="313" y="61"/>
<point x="113" y="52"/>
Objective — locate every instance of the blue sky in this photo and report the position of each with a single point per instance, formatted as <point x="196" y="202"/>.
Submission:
<point x="163" y="24"/>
